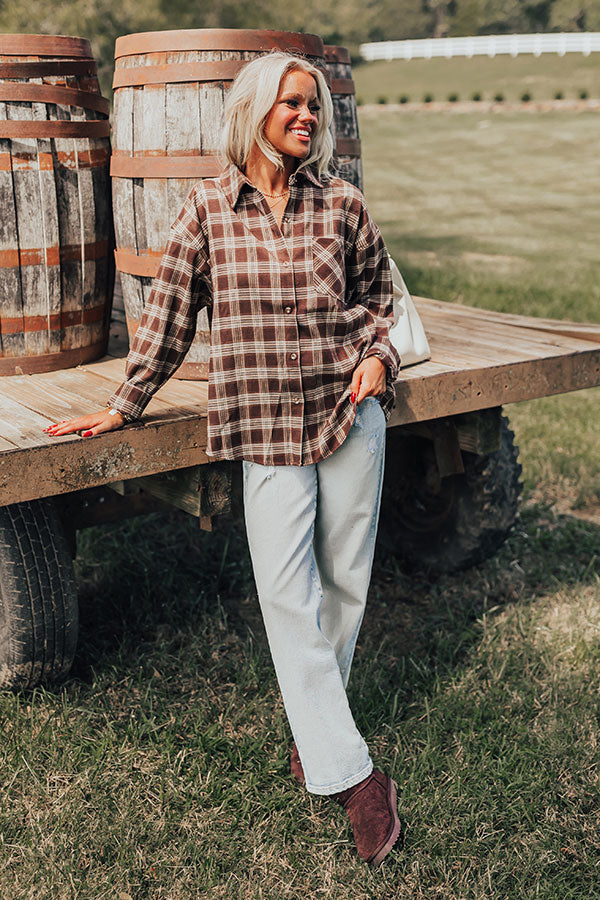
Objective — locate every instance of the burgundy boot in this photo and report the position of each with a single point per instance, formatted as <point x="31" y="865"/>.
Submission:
<point x="296" y="766"/>
<point x="373" y="813"/>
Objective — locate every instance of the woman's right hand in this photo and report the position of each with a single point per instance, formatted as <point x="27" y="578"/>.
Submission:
<point x="93" y="423"/>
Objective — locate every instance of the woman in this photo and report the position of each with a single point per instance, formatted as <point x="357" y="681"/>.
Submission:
<point x="296" y="278"/>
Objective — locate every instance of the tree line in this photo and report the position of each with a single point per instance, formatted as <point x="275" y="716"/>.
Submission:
<point x="346" y="22"/>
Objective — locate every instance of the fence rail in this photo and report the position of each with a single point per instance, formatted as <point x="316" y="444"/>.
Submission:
<point x="485" y="45"/>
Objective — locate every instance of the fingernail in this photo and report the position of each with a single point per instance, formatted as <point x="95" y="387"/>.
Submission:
<point x="86" y="433"/>
<point x="352" y="397"/>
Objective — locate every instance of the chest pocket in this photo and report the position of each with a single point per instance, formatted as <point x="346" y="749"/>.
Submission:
<point x="329" y="269"/>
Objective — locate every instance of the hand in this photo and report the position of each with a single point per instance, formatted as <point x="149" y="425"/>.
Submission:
<point x="368" y="379"/>
<point x="93" y="423"/>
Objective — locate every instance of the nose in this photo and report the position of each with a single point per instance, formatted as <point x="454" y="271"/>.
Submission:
<point x="306" y="114"/>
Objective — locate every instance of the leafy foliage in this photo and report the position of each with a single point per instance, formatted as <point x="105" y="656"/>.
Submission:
<point x="347" y="22"/>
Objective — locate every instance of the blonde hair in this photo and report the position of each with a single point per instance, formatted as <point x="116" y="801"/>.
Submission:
<point x="250" y="100"/>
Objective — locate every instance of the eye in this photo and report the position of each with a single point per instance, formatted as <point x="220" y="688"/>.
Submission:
<point x="291" y="102"/>
<point x="315" y="108"/>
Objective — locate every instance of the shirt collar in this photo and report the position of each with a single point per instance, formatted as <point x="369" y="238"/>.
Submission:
<point x="233" y="180"/>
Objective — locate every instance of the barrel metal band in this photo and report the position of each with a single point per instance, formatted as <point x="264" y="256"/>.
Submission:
<point x="49" y="362"/>
<point x="54" y="322"/>
<point x="342" y="86"/>
<point x="44" y="45"/>
<point x="218" y="39"/>
<point x="50" y="93"/>
<point x="15" y="128"/>
<point x="165" y="166"/>
<point x="216" y="70"/>
<point x="347" y="146"/>
<point x="48" y="68"/>
<point x="133" y="264"/>
<point x="337" y="54"/>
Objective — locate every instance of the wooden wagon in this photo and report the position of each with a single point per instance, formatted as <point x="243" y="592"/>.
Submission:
<point x="450" y="495"/>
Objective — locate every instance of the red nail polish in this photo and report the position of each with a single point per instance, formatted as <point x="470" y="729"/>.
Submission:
<point x="352" y="397"/>
<point x="86" y="433"/>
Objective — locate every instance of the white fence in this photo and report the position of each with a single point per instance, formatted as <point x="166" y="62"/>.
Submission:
<point x="585" y="42"/>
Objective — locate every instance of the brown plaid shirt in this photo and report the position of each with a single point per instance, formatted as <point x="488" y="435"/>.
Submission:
<point x="293" y="312"/>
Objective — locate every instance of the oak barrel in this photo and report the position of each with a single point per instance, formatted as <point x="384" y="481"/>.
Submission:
<point x="169" y="91"/>
<point x="56" y="243"/>
<point x="347" y="140"/>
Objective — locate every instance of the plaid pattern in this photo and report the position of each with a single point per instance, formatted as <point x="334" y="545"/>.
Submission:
<point x="293" y="312"/>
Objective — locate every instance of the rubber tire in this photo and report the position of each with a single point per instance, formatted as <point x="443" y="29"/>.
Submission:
<point x="38" y="598"/>
<point x="464" y="523"/>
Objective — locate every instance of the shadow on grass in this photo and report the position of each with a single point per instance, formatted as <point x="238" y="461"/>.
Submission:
<point x="157" y="579"/>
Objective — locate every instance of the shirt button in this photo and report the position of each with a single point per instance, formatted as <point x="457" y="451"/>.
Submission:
<point x="288" y="309"/>
<point x="285" y="264"/>
<point x="293" y="356"/>
<point x="296" y="399"/>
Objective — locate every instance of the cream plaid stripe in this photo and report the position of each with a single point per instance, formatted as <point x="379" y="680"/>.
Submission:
<point x="293" y="312"/>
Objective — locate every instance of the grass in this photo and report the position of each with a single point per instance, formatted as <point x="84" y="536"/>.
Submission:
<point x="497" y="212"/>
<point x="541" y="77"/>
<point x="160" y="770"/>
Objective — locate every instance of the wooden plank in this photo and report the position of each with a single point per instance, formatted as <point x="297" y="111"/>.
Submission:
<point x="451" y="393"/>
<point x="49" y="398"/>
<point x="581" y="330"/>
<point x="23" y="427"/>
<point x="175" y="391"/>
<point x="49" y="226"/>
<point x="10" y="276"/>
<point x="478" y="332"/>
<point x="28" y="201"/>
<point x="71" y="463"/>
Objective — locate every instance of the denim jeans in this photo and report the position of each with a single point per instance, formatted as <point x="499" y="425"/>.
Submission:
<point x="311" y="531"/>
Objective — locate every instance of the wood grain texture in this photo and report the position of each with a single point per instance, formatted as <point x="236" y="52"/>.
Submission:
<point x="348" y="161"/>
<point x="56" y="236"/>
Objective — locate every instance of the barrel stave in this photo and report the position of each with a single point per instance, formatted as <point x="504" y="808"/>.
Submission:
<point x="58" y="218"/>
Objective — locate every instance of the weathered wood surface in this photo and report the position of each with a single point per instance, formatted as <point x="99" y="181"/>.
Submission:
<point x="56" y="230"/>
<point x="479" y="360"/>
<point x="345" y="113"/>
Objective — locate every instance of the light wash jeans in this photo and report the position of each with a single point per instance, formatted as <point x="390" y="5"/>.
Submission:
<point x="311" y="531"/>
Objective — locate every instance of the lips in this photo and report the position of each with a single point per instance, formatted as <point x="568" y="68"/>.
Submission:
<point x="302" y="134"/>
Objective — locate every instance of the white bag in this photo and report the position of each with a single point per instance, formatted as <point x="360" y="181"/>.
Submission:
<point x="407" y="334"/>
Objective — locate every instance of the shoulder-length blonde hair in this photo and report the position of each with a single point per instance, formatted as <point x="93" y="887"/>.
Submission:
<point x="251" y="98"/>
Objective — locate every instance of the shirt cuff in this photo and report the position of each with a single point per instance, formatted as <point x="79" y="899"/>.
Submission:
<point x="388" y="356"/>
<point x="129" y="401"/>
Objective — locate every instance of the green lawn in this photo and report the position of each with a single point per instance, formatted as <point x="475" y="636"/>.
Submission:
<point x="541" y="77"/>
<point x="500" y="211"/>
<point x="160" y="770"/>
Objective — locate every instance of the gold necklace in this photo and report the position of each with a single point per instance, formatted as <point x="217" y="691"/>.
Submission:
<point x="273" y="196"/>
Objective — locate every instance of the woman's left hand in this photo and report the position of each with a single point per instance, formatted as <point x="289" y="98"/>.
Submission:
<point x="368" y="379"/>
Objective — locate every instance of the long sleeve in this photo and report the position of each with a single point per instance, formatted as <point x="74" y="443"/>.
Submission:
<point x="180" y="289"/>
<point x="370" y="284"/>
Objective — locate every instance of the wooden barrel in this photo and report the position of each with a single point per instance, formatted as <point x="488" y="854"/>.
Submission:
<point x="168" y="114"/>
<point x="347" y="141"/>
<point x="56" y="238"/>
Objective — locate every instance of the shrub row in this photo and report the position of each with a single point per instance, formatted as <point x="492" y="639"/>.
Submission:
<point x="476" y="96"/>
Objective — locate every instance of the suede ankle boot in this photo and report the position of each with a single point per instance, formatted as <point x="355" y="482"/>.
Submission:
<point x="372" y="809"/>
<point x="296" y="766"/>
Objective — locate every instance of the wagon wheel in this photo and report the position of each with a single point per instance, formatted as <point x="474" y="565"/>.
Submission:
<point x="38" y="599"/>
<point x="447" y="524"/>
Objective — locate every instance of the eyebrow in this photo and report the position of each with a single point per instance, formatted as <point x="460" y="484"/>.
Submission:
<point x="294" y="95"/>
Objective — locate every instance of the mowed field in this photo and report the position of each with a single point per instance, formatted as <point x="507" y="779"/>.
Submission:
<point x="500" y="211"/>
<point x="160" y="770"/>
<point x="541" y="77"/>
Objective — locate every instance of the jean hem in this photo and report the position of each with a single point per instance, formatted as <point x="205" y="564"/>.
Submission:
<point x="349" y="782"/>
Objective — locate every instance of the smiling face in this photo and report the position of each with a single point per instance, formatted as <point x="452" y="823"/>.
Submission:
<point x="294" y="115"/>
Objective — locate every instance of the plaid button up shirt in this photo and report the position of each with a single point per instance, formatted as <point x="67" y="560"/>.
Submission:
<point x="293" y="311"/>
